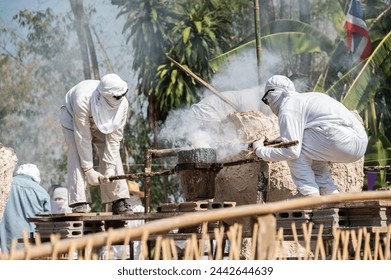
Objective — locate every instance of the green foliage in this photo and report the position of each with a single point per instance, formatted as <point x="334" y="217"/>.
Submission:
<point x="147" y="24"/>
<point x="196" y="33"/>
<point x="372" y="76"/>
<point x="15" y="91"/>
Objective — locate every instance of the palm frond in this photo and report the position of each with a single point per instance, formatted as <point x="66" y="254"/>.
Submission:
<point x="367" y="82"/>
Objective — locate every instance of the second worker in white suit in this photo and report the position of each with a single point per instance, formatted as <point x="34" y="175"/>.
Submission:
<point x="326" y="130"/>
<point x="95" y="113"/>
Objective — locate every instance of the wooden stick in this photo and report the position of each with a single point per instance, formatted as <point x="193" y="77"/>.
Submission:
<point x="203" y="83"/>
<point x="336" y="235"/>
<point x="320" y="245"/>
<point x="345" y="243"/>
<point x="280" y="244"/>
<point x="254" y="241"/>
<point x="307" y="232"/>
<point x="359" y="241"/>
<point x="173" y="249"/>
<point x="387" y="254"/>
<point x="296" y="239"/>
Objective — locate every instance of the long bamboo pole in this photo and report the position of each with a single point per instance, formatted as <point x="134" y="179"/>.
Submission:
<point x="202" y="82"/>
<point x="258" y="39"/>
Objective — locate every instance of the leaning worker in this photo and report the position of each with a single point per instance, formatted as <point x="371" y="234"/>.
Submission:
<point x="27" y="198"/>
<point x="94" y="114"/>
<point x="326" y="130"/>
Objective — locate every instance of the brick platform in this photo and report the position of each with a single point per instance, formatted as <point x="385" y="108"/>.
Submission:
<point x="371" y="214"/>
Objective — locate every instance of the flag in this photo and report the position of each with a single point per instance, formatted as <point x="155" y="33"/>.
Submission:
<point x="357" y="40"/>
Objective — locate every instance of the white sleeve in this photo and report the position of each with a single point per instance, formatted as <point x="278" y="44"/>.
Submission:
<point x="291" y="129"/>
<point x="113" y="140"/>
<point x="82" y="132"/>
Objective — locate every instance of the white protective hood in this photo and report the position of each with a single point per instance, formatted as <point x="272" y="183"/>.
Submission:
<point x="106" y="110"/>
<point x="280" y="87"/>
<point x="30" y="170"/>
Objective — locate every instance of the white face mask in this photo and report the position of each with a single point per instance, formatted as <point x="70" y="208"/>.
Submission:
<point x="61" y="204"/>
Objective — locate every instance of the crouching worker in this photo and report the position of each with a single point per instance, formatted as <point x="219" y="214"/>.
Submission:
<point x="326" y="130"/>
<point x="94" y="114"/>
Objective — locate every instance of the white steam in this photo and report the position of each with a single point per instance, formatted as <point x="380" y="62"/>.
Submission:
<point x="203" y="126"/>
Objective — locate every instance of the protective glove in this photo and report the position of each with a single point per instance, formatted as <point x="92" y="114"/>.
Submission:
<point x="259" y="143"/>
<point x="94" y="178"/>
<point x="110" y="172"/>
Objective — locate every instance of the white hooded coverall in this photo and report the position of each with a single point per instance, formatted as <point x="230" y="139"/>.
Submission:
<point x="326" y="130"/>
<point x="93" y="116"/>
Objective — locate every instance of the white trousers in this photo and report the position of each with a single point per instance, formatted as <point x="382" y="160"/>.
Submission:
<point x="321" y="145"/>
<point x="78" y="187"/>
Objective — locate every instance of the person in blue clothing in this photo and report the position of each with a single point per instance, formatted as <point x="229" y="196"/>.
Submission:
<point x="27" y="198"/>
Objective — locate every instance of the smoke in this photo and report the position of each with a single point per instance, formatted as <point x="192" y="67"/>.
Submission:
<point x="205" y="127"/>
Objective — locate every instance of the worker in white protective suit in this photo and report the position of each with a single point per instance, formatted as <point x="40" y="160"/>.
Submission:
<point x="59" y="199"/>
<point x="95" y="114"/>
<point x="326" y="130"/>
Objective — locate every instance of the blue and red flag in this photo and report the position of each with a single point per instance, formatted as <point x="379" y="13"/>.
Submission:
<point x="357" y="40"/>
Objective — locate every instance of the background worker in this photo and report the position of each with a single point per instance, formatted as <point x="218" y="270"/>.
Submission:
<point x="94" y="114"/>
<point x="59" y="199"/>
<point x="326" y="130"/>
<point x="26" y="199"/>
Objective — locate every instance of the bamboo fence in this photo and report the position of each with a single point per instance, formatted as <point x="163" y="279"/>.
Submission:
<point x="267" y="241"/>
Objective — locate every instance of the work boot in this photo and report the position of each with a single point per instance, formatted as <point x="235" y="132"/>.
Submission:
<point x="81" y="208"/>
<point x="120" y="206"/>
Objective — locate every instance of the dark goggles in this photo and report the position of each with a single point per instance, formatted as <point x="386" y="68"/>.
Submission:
<point x="264" y="100"/>
<point x="120" y="96"/>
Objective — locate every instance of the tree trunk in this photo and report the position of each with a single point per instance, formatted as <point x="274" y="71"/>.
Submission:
<point x="87" y="48"/>
<point x="286" y="9"/>
<point x="305" y="16"/>
<point x="8" y="162"/>
<point x="266" y="11"/>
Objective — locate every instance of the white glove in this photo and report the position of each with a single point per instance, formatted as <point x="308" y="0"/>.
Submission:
<point x="110" y="172"/>
<point x="259" y="143"/>
<point x="93" y="178"/>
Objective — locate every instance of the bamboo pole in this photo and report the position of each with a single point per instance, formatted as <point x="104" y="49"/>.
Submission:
<point x="202" y="82"/>
<point x="320" y="245"/>
<point x="258" y="43"/>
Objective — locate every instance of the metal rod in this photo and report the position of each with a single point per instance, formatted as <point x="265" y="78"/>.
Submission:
<point x="147" y="169"/>
<point x="143" y="175"/>
<point x="216" y="166"/>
